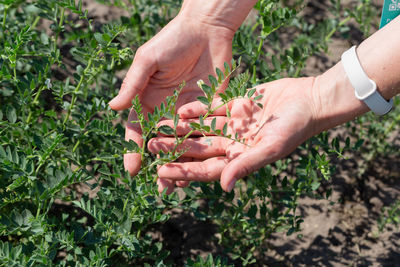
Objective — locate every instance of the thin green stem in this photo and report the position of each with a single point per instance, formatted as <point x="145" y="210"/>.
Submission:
<point x="76" y="146"/>
<point x="38" y="209"/>
<point x="62" y="17"/>
<point x="35" y="22"/>
<point x="74" y="95"/>
<point x="15" y="72"/>
<point x="5" y="17"/>
<point x="298" y="69"/>
<point x="341" y="23"/>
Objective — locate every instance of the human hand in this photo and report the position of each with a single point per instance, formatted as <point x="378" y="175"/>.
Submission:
<point x="287" y="119"/>
<point x="184" y="50"/>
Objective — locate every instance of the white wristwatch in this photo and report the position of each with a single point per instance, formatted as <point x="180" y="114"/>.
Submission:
<point x="365" y="88"/>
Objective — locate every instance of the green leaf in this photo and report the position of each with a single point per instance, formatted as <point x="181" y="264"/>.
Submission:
<point x="131" y="145"/>
<point x="194" y="125"/>
<point x="251" y="92"/>
<point x="201" y="120"/>
<point x="315" y="185"/>
<point x="165" y="129"/>
<point x="190" y="192"/>
<point x="104" y="170"/>
<point x="99" y="38"/>
<point x="213" y="124"/>
<point x="358" y="144"/>
<point x="213" y="81"/>
<point x="207" y="90"/>
<point x="252" y="211"/>
<point x="11" y="114"/>
<point x="258" y="97"/>
<point x="203" y="100"/>
<point x="227" y="69"/>
<point x="220" y="75"/>
<point x="276" y="63"/>
<point x="79" y="70"/>
<point x="225" y="129"/>
<point x="17" y="183"/>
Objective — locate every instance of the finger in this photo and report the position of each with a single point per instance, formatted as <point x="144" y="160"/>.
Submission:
<point x="183" y="126"/>
<point x="165" y="183"/>
<point x="184" y="183"/>
<point x="205" y="171"/>
<point x="132" y="161"/>
<point x="198" y="148"/>
<point x="248" y="162"/>
<point x="137" y="78"/>
<point x="195" y="109"/>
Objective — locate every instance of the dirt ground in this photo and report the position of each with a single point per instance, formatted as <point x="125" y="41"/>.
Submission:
<point x="341" y="234"/>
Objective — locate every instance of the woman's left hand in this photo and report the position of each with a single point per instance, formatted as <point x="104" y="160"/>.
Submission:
<point x="287" y="119"/>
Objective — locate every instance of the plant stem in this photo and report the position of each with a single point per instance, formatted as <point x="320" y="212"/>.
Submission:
<point x="15" y="72"/>
<point x="5" y="17"/>
<point x="78" y="87"/>
<point x="35" y="22"/>
<point x="38" y="209"/>
<point x="341" y="23"/>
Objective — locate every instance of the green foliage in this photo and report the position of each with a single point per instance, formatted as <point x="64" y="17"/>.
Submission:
<point x="65" y="199"/>
<point x="390" y="215"/>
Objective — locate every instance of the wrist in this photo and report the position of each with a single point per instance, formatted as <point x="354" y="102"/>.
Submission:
<point x="334" y="99"/>
<point x="226" y="14"/>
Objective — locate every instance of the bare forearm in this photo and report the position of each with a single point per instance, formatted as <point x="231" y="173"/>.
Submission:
<point x="225" y="13"/>
<point x="379" y="56"/>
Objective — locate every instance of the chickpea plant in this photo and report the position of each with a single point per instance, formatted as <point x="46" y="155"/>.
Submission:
<point x="64" y="196"/>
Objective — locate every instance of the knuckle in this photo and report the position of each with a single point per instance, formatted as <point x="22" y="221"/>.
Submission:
<point x="142" y="54"/>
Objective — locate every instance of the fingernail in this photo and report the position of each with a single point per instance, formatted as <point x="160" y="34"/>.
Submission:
<point x="231" y="185"/>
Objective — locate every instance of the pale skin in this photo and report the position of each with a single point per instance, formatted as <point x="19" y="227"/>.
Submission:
<point x="188" y="49"/>
<point x="294" y="110"/>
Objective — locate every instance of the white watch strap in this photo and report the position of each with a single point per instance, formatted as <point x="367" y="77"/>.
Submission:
<point x="365" y="88"/>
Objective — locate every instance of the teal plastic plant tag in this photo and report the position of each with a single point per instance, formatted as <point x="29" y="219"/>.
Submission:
<point x="391" y="9"/>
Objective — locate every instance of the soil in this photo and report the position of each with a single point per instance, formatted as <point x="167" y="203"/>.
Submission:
<point x="340" y="232"/>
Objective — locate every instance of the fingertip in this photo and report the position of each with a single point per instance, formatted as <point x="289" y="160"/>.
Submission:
<point x="114" y="103"/>
<point x="227" y="183"/>
<point x="163" y="170"/>
<point x="192" y="110"/>
<point x="183" y="113"/>
<point x="132" y="163"/>
<point x="165" y="183"/>
<point x="151" y="146"/>
<point x="229" y="176"/>
<point x="121" y="101"/>
<point x="231" y="185"/>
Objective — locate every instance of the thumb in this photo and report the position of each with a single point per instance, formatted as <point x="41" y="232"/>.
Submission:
<point x="136" y="80"/>
<point x="247" y="163"/>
